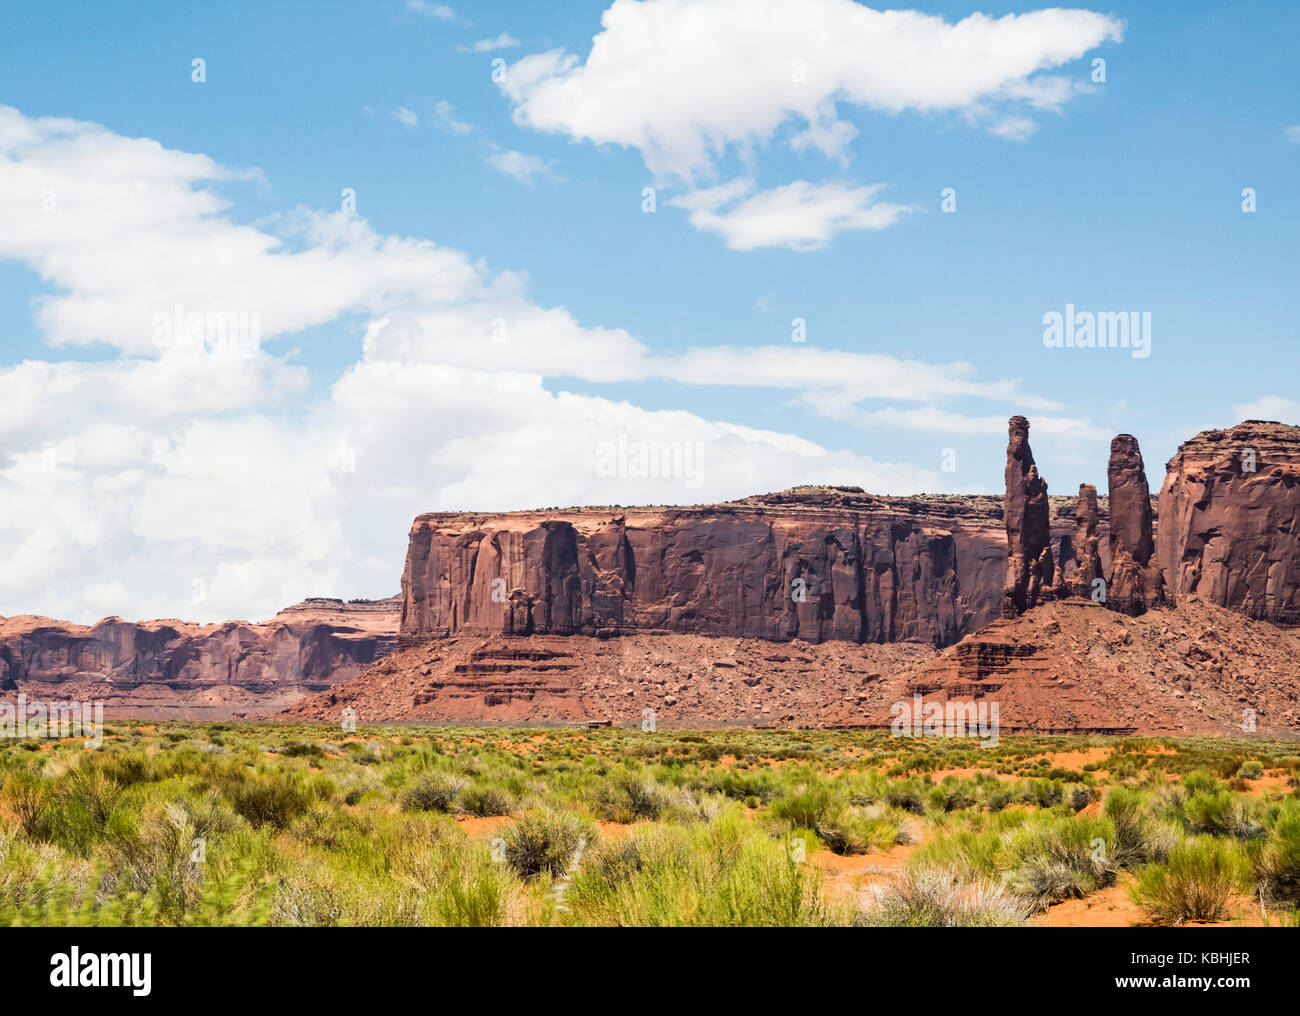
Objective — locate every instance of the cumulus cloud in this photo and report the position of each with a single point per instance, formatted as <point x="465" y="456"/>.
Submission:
<point x="216" y="481"/>
<point x="124" y="230"/>
<point x="799" y="216"/>
<point x="683" y="82"/>
<point x="406" y="117"/>
<point x="520" y="165"/>
<point x="1268" y="407"/>
<point x="503" y="41"/>
<point x="440" y="12"/>
<point x="445" y="116"/>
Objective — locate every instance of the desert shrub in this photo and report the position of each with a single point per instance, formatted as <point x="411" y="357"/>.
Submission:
<point x="545" y="841"/>
<point x="861" y="830"/>
<point x="1200" y="781"/>
<point x="1060" y="858"/>
<point x="301" y="902"/>
<point x="1194" y="884"/>
<point x="478" y="901"/>
<point x="1274" y="863"/>
<point x="628" y="798"/>
<point x="434" y="792"/>
<point x="1209" y="811"/>
<point x="1041" y="792"/>
<point x="907" y="796"/>
<point x="1250" y="770"/>
<point x="1080" y="797"/>
<point x="809" y="806"/>
<point x="79" y="806"/>
<point x="924" y="896"/>
<point x="721" y="873"/>
<point x="1221" y="813"/>
<point x="1139" y="836"/>
<point x="155" y="857"/>
<point x="951" y="795"/>
<point x="303" y="749"/>
<point x="127" y="768"/>
<point x="484" y="801"/>
<point x="27" y="795"/>
<point x="269" y="800"/>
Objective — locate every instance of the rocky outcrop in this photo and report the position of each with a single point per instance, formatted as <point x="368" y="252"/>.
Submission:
<point x="1086" y="545"/>
<point x="175" y="668"/>
<point x="1230" y="520"/>
<point x="679" y="680"/>
<point x="1027" y="515"/>
<point x="813" y="563"/>
<point x="1072" y="666"/>
<point x="1135" y="582"/>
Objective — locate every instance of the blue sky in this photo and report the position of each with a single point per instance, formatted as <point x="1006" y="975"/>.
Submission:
<point x="1117" y="196"/>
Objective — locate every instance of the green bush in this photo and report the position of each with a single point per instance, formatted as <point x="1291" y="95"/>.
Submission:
<point x="1194" y="884"/>
<point x="1275" y="862"/>
<point x="269" y="800"/>
<point x="434" y="792"/>
<point x="545" y="841"/>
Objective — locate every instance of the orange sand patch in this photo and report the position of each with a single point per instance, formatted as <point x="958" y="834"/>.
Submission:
<point x="483" y="825"/>
<point x="1106" y="908"/>
<point x="1112" y="908"/>
<point x="1077" y="759"/>
<point x="1275" y="781"/>
<point x="850" y="874"/>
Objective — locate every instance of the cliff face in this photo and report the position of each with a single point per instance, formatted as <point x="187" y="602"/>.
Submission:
<point x="815" y="563"/>
<point x="1230" y="520"/>
<point x="305" y="648"/>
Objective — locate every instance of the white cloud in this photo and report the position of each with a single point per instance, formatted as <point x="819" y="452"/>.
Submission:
<point x="684" y="82"/>
<point x="1014" y="128"/>
<point x="832" y="378"/>
<point x="123" y="230"/>
<point x="931" y="418"/>
<point x="444" y="113"/>
<point x="503" y="41"/>
<point x="520" y="165"/>
<point x="1292" y="133"/>
<point x="406" y="117"/>
<point x="1268" y="407"/>
<point x="441" y="12"/>
<point x="210" y="484"/>
<point x="800" y="216"/>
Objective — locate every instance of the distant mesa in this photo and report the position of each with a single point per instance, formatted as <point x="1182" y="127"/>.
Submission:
<point x="817" y="605"/>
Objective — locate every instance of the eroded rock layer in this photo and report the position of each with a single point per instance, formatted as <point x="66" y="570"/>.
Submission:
<point x="1230" y="520"/>
<point x="813" y="563"/>
<point x="173" y="668"/>
<point x="1073" y="666"/>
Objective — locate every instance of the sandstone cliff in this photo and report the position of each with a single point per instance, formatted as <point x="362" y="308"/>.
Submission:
<point x="173" y="668"/>
<point x="1230" y="520"/>
<point x="813" y="563"/>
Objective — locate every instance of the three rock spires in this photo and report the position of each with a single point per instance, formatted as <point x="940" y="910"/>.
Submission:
<point x="1033" y="576"/>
